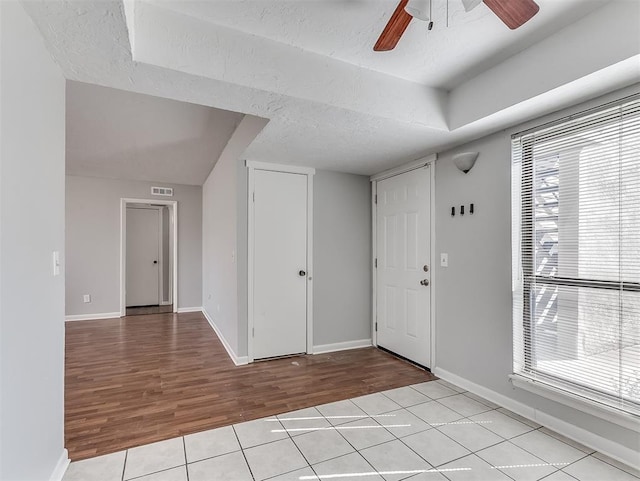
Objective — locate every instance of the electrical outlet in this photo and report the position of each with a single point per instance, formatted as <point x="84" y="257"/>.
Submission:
<point x="444" y="260"/>
<point x="86" y="298"/>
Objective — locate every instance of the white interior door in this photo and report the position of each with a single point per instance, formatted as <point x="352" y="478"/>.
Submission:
<point x="142" y="262"/>
<point x="280" y="264"/>
<point x="403" y="237"/>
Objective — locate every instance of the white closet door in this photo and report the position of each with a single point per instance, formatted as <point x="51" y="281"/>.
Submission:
<point x="143" y="251"/>
<point x="403" y="227"/>
<point x="280" y="258"/>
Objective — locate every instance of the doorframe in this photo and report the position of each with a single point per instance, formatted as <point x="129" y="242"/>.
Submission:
<point x="428" y="161"/>
<point x="169" y="301"/>
<point x="252" y="166"/>
<point x="173" y="248"/>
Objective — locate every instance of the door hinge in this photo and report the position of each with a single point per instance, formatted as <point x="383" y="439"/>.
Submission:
<point x="253" y="332"/>
<point x="375" y="263"/>
<point x="254" y="196"/>
<point x="376" y="327"/>
<point x="375" y="199"/>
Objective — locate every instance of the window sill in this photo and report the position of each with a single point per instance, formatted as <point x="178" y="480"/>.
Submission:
<point x="611" y="414"/>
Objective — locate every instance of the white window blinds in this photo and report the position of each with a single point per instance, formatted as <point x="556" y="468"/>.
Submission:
<point x="576" y="254"/>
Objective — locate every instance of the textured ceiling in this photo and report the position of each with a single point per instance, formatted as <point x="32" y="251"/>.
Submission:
<point x="123" y="135"/>
<point x="459" y="46"/>
<point x="331" y="103"/>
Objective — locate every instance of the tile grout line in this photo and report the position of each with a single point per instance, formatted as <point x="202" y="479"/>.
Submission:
<point x="495" y="444"/>
<point x="334" y="428"/>
<point x="242" y="451"/>
<point x="538" y="457"/>
<point x="396" y="439"/>
<point x="357" y="451"/>
<point x="460" y="444"/>
<point x="300" y="450"/>
<point x="369" y="416"/>
<point x="186" y="460"/>
<point x="613" y="465"/>
<point x="156" y="472"/>
<point x="574" y="462"/>
<point x="124" y="465"/>
<point x="555" y="472"/>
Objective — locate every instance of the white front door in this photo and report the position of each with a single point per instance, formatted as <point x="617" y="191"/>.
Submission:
<point x="142" y="257"/>
<point x="280" y="264"/>
<point x="403" y="244"/>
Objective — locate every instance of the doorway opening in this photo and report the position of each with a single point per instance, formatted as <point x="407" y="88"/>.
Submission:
<point x="148" y="257"/>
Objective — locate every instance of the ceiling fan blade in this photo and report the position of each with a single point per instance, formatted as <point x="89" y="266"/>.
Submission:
<point x="514" y="13"/>
<point x="394" y="29"/>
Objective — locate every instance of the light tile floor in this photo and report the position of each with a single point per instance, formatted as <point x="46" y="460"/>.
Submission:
<point x="432" y="431"/>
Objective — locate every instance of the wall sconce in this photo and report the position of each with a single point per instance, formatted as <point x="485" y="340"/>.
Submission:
<point x="464" y="161"/>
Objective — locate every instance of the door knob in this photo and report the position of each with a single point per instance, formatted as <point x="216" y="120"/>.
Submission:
<point x="424" y="282"/>
<point x="155" y="262"/>
<point x="302" y="273"/>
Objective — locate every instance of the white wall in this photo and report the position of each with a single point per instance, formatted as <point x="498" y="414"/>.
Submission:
<point x="93" y="241"/>
<point x="341" y="258"/>
<point x="224" y="237"/>
<point x="473" y="294"/>
<point x="32" y="149"/>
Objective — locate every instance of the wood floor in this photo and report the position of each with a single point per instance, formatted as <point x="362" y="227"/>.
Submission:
<point x="142" y="379"/>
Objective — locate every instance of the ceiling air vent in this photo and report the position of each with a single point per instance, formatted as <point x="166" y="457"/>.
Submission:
<point x="166" y="191"/>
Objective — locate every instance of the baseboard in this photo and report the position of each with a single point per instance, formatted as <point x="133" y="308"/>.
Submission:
<point x="61" y="467"/>
<point x="237" y="360"/>
<point x="92" y="317"/>
<point x="189" y="309"/>
<point x="590" y="439"/>
<point x="341" y="346"/>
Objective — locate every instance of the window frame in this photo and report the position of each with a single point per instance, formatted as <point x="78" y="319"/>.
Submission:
<point x="528" y="377"/>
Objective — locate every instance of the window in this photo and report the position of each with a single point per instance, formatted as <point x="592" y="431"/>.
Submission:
<point x="576" y="255"/>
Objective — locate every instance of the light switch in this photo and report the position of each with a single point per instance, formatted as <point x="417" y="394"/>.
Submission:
<point x="444" y="260"/>
<point x="56" y="263"/>
<point x="86" y="298"/>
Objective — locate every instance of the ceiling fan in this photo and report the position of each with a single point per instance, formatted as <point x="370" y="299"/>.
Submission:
<point x="514" y="13"/>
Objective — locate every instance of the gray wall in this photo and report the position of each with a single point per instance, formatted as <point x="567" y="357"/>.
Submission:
<point x="342" y="249"/>
<point x="473" y="295"/>
<point x="32" y="150"/>
<point x="93" y="241"/>
<point x="224" y="221"/>
<point x="341" y="257"/>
